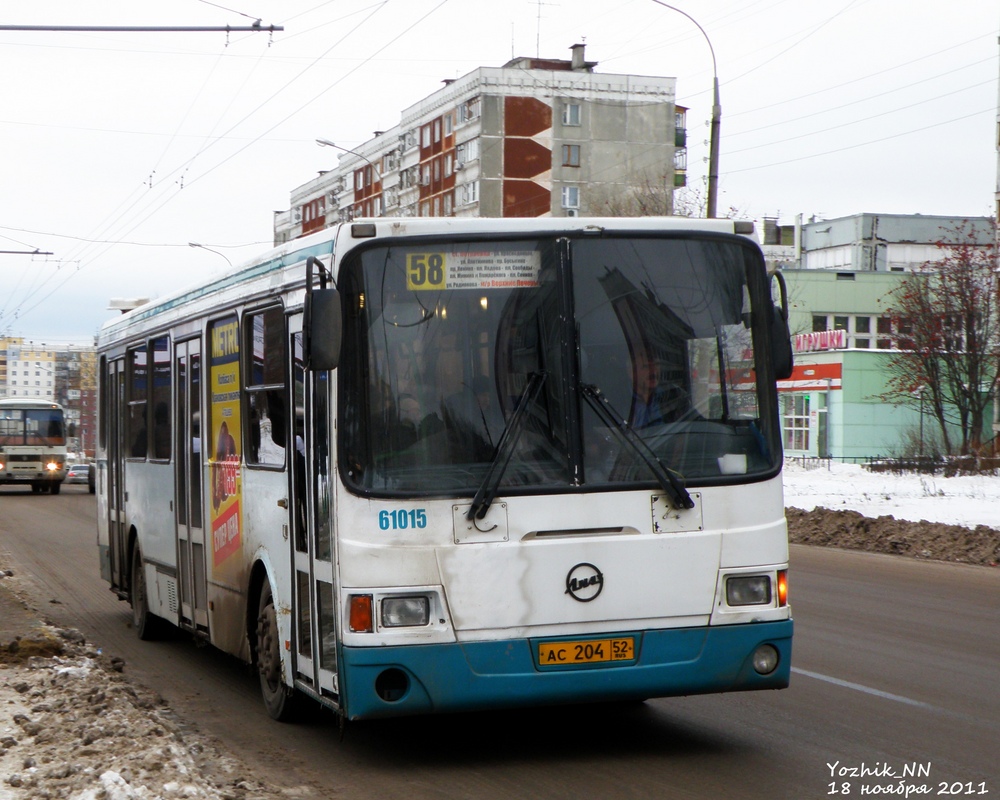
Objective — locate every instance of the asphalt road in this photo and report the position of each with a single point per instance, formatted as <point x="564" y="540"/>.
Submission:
<point x="894" y="687"/>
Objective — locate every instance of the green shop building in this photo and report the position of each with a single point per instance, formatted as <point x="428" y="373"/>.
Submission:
<point x="839" y="301"/>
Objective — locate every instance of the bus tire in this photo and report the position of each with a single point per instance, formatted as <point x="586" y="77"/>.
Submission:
<point x="147" y="624"/>
<point x="55" y="487"/>
<point x="278" y="698"/>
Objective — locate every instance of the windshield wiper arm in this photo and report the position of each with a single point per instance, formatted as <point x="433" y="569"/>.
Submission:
<point x="664" y="475"/>
<point x="505" y="448"/>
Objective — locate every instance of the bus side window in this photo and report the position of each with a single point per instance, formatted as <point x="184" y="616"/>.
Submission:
<point x="135" y="398"/>
<point x="159" y="394"/>
<point x="267" y="428"/>
<point x="56" y="436"/>
<point x="161" y="431"/>
<point x="276" y="409"/>
<point x="266" y="387"/>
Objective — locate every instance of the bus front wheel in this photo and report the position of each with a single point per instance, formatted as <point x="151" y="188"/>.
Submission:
<point x="144" y="621"/>
<point x="277" y="697"/>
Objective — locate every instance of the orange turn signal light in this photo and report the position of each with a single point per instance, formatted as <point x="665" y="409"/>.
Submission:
<point x="782" y="587"/>
<point x="361" y="617"/>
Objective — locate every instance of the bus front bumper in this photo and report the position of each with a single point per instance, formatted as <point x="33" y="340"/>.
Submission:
<point x="423" y="679"/>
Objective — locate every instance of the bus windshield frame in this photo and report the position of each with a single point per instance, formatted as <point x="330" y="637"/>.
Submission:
<point x="32" y="427"/>
<point x="443" y="338"/>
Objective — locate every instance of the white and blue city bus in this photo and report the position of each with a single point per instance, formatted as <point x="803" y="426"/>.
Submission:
<point x="32" y="444"/>
<point x="420" y="465"/>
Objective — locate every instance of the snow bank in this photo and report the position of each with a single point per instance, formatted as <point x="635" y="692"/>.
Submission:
<point x="968" y="500"/>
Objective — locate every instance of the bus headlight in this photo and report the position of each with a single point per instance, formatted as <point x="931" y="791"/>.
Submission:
<point x="52" y="466"/>
<point x="748" y="590"/>
<point x="405" y="612"/>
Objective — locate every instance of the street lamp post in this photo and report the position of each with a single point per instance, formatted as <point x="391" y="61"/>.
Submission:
<point x="375" y="173"/>
<point x="713" y="147"/>
<point x="210" y="250"/>
<point x="328" y="143"/>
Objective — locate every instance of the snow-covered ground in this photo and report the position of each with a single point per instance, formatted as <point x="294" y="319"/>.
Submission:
<point x="964" y="500"/>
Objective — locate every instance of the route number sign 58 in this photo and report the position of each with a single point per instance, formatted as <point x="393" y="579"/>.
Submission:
<point x="425" y="271"/>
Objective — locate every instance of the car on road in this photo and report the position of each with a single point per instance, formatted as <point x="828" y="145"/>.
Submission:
<point x="80" y="473"/>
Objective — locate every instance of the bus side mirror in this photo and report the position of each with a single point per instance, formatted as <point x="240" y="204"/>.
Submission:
<point x="323" y="326"/>
<point x="781" y="335"/>
<point x="781" y="345"/>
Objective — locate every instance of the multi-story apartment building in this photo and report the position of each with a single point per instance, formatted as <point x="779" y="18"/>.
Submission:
<point x="536" y="137"/>
<point x="76" y="391"/>
<point x="29" y="369"/>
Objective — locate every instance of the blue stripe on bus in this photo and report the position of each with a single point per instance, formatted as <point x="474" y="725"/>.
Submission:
<point x="503" y="674"/>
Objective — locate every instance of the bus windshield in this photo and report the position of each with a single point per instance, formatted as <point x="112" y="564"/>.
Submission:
<point x="623" y="351"/>
<point x="32" y="427"/>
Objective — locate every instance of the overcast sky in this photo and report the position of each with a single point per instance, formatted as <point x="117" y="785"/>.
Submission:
<point x="118" y="149"/>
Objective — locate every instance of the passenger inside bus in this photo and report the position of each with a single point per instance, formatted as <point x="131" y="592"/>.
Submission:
<point x="655" y="399"/>
<point x="413" y="422"/>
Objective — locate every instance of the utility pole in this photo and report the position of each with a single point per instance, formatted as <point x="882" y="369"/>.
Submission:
<point x="715" y="125"/>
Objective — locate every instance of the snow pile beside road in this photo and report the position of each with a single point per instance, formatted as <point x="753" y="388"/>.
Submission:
<point x="968" y="500"/>
<point x="73" y="727"/>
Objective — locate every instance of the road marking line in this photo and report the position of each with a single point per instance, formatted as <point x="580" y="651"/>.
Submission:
<point x="866" y="689"/>
<point x="966" y="719"/>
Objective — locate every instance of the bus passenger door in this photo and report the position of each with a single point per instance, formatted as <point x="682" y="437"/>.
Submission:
<point x="116" y="410"/>
<point x="316" y="635"/>
<point x="191" y="556"/>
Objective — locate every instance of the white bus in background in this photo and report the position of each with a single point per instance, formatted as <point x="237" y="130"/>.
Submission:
<point x="32" y="444"/>
<point x="407" y="466"/>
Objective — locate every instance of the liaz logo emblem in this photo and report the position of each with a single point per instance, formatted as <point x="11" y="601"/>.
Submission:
<point x="584" y="582"/>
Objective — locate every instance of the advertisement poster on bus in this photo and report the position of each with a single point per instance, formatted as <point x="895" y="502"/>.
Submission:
<point x="226" y="435"/>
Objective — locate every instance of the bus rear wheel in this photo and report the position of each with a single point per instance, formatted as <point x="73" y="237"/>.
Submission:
<point x="278" y="699"/>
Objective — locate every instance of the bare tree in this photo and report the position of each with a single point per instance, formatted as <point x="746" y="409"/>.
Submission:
<point x="945" y="320"/>
<point x="691" y="201"/>
<point x="652" y="196"/>
<point x="644" y="195"/>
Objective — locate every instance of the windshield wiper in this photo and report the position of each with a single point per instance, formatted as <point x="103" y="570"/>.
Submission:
<point x="505" y="448"/>
<point x="664" y="475"/>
